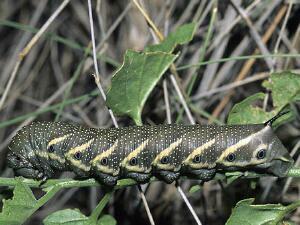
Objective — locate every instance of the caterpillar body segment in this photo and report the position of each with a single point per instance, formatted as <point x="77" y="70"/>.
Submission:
<point x="164" y="151"/>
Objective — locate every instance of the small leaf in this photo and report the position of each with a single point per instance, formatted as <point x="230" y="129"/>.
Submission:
<point x="285" y="88"/>
<point x="195" y="188"/>
<point x="140" y="72"/>
<point x="125" y="182"/>
<point x="253" y="184"/>
<point x="182" y="35"/>
<point x="232" y="176"/>
<point x="247" y="214"/>
<point x="66" y="217"/>
<point x="133" y="82"/>
<point x="245" y="112"/>
<point x="288" y="223"/>
<point x="107" y="220"/>
<point x="16" y="210"/>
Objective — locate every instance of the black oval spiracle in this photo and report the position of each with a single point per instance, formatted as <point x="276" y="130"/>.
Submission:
<point x="261" y="154"/>
<point x="104" y="161"/>
<point x="231" y="157"/>
<point x="165" y="160"/>
<point x="133" y="161"/>
<point x="197" y="159"/>
<point x="77" y="155"/>
<point x="51" y="149"/>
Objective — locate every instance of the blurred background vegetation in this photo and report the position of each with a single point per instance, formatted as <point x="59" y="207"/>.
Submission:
<point x="62" y="56"/>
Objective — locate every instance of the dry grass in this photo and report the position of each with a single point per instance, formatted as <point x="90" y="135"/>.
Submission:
<point x="59" y="66"/>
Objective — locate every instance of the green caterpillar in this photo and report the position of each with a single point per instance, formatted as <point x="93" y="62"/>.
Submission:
<point x="164" y="151"/>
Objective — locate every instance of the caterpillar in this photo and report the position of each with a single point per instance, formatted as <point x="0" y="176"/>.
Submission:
<point x="140" y="152"/>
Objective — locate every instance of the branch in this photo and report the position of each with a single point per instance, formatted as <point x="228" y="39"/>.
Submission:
<point x="70" y="183"/>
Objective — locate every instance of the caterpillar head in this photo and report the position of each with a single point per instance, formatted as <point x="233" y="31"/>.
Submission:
<point x="261" y="151"/>
<point x="273" y="157"/>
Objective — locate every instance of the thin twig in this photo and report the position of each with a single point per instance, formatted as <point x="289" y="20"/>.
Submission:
<point x="173" y="69"/>
<point x="250" y="62"/>
<point x="114" y="25"/>
<point x="167" y="103"/>
<point x="265" y="103"/>
<point x="37" y="36"/>
<point x="206" y="79"/>
<point x="182" y="194"/>
<point x="22" y="42"/>
<point x="182" y="100"/>
<point x="10" y="82"/>
<point x="294" y="43"/>
<point x="97" y="76"/>
<point x="230" y="86"/>
<point x="227" y="29"/>
<point x="287" y="15"/>
<point x="297" y="163"/>
<point x="174" y="82"/>
<point x="97" y="80"/>
<point x="238" y="58"/>
<point x="262" y="47"/>
<point x="189" y="205"/>
<point x="28" y="47"/>
<point x="150" y="217"/>
<point x="45" y="104"/>
<point x="152" y="25"/>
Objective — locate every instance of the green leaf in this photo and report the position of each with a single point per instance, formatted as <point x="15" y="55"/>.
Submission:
<point x="246" y="111"/>
<point x="232" y="176"/>
<point x="66" y="217"/>
<point x="253" y="184"/>
<point x="16" y="210"/>
<point x="126" y="182"/>
<point x="285" y="89"/>
<point x="133" y="82"/>
<point x="270" y="214"/>
<point x="289" y="223"/>
<point x="195" y="188"/>
<point x="107" y="220"/>
<point x="140" y="72"/>
<point x="182" y="35"/>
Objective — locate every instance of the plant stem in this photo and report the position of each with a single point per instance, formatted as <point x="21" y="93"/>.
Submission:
<point x="294" y="172"/>
<point x="97" y="211"/>
<point x="69" y="183"/>
<point x="63" y="183"/>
